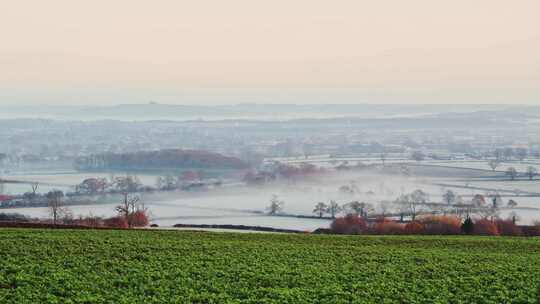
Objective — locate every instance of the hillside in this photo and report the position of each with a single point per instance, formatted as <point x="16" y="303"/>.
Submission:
<point x="59" y="266"/>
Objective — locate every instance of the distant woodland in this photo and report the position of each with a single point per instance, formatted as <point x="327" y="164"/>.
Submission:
<point x="157" y="160"/>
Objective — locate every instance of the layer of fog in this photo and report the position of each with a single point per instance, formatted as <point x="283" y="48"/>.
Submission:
<point x="246" y="205"/>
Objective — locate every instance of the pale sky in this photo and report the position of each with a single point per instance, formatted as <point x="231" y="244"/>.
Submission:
<point x="414" y="51"/>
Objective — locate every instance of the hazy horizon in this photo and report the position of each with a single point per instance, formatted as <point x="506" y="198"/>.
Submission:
<point x="219" y="97"/>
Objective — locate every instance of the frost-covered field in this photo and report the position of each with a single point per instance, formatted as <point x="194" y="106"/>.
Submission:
<point x="244" y="205"/>
<point x="327" y="161"/>
<point x="72" y="178"/>
<point x="484" y="165"/>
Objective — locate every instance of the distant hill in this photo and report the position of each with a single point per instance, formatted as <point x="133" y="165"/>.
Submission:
<point x="289" y="111"/>
<point x="156" y="111"/>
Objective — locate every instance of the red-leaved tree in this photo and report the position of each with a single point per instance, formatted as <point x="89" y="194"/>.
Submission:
<point x="140" y="219"/>
<point x="507" y="227"/>
<point x="116" y="222"/>
<point x="384" y="226"/>
<point x="349" y="224"/>
<point x="414" y="227"/>
<point x="485" y="227"/>
<point x="134" y="213"/>
<point x="441" y="225"/>
<point x="536" y="229"/>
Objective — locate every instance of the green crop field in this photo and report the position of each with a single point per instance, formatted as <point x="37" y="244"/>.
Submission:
<point x="79" y="266"/>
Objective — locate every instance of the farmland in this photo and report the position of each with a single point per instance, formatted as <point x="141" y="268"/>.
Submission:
<point x="240" y="204"/>
<point x="75" y="266"/>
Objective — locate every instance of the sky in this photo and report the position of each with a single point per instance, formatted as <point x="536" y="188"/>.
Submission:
<point x="279" y="51"/>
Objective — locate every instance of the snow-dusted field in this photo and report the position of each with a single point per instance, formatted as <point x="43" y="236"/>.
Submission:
<point x="484" y="165"/>
<point x="72" y="178"/>
<point x="240" y="204"/>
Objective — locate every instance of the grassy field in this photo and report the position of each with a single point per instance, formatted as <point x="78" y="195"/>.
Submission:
<point x="76" y="266"/>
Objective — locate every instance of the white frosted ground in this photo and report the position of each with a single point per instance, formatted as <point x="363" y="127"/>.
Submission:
<point x="236" y="205"/>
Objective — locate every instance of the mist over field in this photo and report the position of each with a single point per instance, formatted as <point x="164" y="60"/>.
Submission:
<point x="224" y="169"/>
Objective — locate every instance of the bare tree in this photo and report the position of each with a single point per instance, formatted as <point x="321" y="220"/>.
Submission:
<point x="170" y="182"/>
<point x="493" y="164"/>
<point x="508" y="153"/>
<point x="159" y="182"/>
<point x="462" y="209"/>
<point x="496" y="199"/>
<point x="512" y="173"/>
<point x="167" y="182"/>
<point x="276" y="205"/>
<point x="405" y="170"/>
<point x="404" y="202"/>
<point x="514" y="217"/>
<point x="55" y="203"/>
<point x="35" y="187"/>
<point x="499" y="154"/>
<point x="478" y="200"/>
<point x="333" y="208"/>
<point x="129" y="183"/>
<point x="413" y="203"/>
<point x="384" y="207"/>
<point x="531" y="172"/>
<point x="320" y="209"/>
<point x="488" y="212"/>
<point x="418" y="156"/>
<point x="512" y="203"/>
<point x="355" y="207"/>
<point x="359" y="208"/>
<point x="449" y="197"/>
<point x="129" y="206"/>
<point x="521" y="153"/>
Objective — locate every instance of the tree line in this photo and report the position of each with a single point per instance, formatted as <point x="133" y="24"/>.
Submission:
<point x="161" y="159"/>
<point x="131" y="212"/>
<point x="432" y="225"/>
<point x="410" y="206"/>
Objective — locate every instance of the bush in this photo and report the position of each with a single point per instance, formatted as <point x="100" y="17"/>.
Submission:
<point x="139" y="218"/>
<point x="441" y="225"/>
<point x="485" y="227"/>
<point x="350" y="224"/>
<point x="89" y="221"/>
<point x="115" y="222"/>
<point x="536" y="228"/>
<point x="385" y="226"/>
<point x="13" y="217"/>
<point x="414" y="227"/>
<point x="507" y="227"/>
